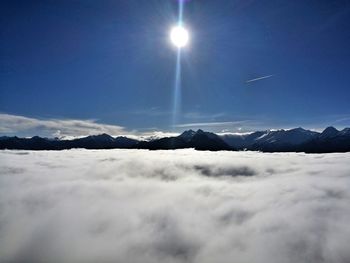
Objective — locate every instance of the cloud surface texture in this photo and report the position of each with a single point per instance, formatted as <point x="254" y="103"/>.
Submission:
<point x="131" y="206"/>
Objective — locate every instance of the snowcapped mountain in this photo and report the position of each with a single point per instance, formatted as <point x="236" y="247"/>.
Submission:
<point x="199" y="140"/>
<point x="187" y="135"/>
<point x="345" y="132"/>
<point x="330" y="140"/>
<point x="329" y="132"/>
<point x="258" y="139"/>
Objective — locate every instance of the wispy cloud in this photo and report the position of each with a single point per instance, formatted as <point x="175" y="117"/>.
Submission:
<point x="194" y="115"/>
<point x="259" y="78"/>
<point x="151" y="112"/>
<point x="25" y="126"/>
<point x="345" y="119"/>
<point x="210" y="124"/>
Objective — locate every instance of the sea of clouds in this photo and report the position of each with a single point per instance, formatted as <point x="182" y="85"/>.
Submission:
<point x="131" y="206"/>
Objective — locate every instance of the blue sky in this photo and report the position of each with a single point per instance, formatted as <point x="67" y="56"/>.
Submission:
<point x="111" y="63"/>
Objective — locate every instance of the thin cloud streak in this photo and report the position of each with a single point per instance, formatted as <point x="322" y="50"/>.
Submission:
<point x="209" y="124"/>
<point x="195" y="115"/>
<point x="260" y="78"/>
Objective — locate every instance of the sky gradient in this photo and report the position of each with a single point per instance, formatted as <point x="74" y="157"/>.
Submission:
<point x="111" y="62"/>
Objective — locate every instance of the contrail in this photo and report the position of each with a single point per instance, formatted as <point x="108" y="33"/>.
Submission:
<point x="256" y="79"/>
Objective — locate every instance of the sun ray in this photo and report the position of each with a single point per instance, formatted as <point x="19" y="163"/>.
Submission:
<point x="177" y="84"/>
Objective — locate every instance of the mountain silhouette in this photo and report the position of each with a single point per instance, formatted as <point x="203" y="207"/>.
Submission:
<point x="293" y="140"/>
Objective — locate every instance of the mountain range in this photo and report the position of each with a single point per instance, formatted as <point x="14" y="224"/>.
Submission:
<point x="293" y="140"/>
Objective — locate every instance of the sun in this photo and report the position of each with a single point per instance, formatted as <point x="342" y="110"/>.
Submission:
<point x="179" y="36"/>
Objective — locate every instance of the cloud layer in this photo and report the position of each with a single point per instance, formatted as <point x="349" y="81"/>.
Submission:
<point x="173" y="206"/>
<point x="24" y="126"/>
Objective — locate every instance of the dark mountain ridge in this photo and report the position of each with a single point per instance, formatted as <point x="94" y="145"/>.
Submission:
<point x="293" y="140"/>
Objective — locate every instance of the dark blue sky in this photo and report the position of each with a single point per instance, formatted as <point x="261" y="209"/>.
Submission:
<point x="112" y="61"/>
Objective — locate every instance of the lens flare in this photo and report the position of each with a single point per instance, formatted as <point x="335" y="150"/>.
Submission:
<point x="179" y="36"/>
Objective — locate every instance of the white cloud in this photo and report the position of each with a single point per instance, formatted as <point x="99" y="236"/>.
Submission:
<point x="152" y="135"/>
<point x="14" y="124"/>
<point x="173" y="206"/>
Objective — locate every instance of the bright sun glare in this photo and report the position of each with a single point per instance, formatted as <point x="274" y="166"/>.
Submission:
<point x="179" y="36"/>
